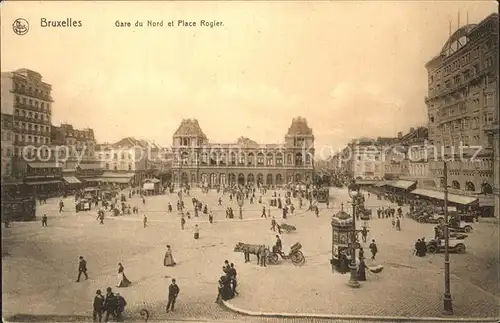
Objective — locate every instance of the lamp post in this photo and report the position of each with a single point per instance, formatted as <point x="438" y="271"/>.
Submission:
<point x="240" y="199"/>
<point x="353" y="191"/>
<point x="448" y="306"/>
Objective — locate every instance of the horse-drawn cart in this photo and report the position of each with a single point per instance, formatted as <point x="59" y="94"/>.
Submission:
<point x="295" y="255"/>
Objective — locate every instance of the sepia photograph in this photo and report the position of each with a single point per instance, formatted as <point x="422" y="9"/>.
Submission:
<point x="250" y="161"/>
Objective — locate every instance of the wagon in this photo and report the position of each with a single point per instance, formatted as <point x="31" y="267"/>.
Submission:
<point x="287" y="227"/>
<point x="295" y="255"/>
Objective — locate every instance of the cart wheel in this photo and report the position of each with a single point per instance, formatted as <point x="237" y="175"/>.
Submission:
<point x="460" y="248"/>
<point x="421" y="220"/>
<point x="272" y="259"/>
<point x="468" y="229"/>
<point x="431" y="248"/>
<point x="297" y="258"/>
<point x="441" y="220"/>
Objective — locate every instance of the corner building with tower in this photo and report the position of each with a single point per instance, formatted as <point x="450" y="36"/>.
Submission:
<point x="246" y="162"/>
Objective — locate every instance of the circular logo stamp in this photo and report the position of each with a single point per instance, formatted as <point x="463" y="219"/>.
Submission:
<point x="21" y="26"/>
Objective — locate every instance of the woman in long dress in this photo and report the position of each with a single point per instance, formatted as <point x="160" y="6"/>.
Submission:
<point x="122" y="279"/>
<point x="168" y="260"/>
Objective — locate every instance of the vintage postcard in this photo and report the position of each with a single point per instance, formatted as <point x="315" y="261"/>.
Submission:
<point x="250" y="161"/>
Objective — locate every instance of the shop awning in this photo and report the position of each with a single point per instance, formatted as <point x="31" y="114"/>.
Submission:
<point x="380" y="184"/>
<point x="71" y="180"/>
<point x="92" y="179"/>
<point x="453" y="198"/>
<point x="117" y="180"/>
<point x="402" y="184"/>
<point x="43" y="182"/>
<point x="89" y="166"/>
<point x="44" y="165"/>
<point x="120" y="175"/>
<point x="151" y="180"/>
<point x="91" y="189"/>
<point x="365" y="182"/>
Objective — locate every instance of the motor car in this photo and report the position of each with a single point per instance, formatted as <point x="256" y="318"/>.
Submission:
<point x="83" y="205"/>
<point x="455" y="245"/>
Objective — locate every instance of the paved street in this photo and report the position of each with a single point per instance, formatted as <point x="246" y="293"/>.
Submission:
<point x="40" y="270"/>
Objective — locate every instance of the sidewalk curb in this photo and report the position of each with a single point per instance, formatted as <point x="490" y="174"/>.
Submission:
<point x="368" y="318"/>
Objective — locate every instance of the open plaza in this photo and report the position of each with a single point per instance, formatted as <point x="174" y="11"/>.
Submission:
<point x="40" y="264"/>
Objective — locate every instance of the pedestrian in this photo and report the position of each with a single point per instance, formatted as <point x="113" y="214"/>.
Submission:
<point x="262" y="256"/>
<point x="110" y="304"/>
<point x="364" y="233"/>
<point x="398" y="224"/>
<point x="233" y="274"/>
<point x="61" y="205"/>
<point x="173" y="292"/>
<point x="183" y="222"/>
<point x="44" y="220"/>
<point x="120" y="307"/>
<point x="273" y="224"/>
<point x="220" y="289"/>
<point x="168" y="259"/>
<point x="373" y="249"/>
<point x="210" y="217"/>
<point x="418" y="245"/>
<point x="82" y="268"/>
<point x="393" y="223"/>
<point x="98" y="306"/>
<point x="263" y="212"/>
<point x="196" y="232"/>
<point x="145" y="220"/>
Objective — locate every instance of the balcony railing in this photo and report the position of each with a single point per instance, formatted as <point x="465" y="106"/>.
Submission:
<point x="32" y="132"/>
<point x="32" y="94"/>
<point x="26" y="106"/>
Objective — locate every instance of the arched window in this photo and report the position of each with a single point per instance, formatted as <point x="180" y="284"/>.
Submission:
<point x="279" y="159"/>
<point x="455" y="185"/>
<point x="250" y="159"/>
<point x="260" y="159"/>
<point x="204" y="158"/>
<point x="269" y="159"/>
<point x="486" y="188"/>
<point x="241" y="161"/>
<point x="233" y="159"/>
<point x="469" y="186"/>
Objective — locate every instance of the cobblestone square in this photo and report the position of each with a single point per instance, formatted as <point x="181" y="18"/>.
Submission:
<point x="40" y="270"/>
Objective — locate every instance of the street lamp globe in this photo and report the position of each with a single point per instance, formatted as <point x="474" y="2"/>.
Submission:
<point x="353" y="190"/>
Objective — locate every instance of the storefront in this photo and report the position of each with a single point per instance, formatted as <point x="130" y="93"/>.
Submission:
<point x="462" y="202"/>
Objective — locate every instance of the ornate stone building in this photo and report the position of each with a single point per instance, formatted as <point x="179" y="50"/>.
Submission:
<point x="197" y="161"/>
<point x="463" y="109"/>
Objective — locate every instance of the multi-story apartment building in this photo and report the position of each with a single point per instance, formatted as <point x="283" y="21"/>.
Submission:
<point x="7" y="145"/>
<point x="419" y="153"/>
<point x="199" y="162"/>
<point x="80" y="143"/>
<point x="462" y="105"/>
<point x="26" y="97"/>
<point x="367" y="159"/>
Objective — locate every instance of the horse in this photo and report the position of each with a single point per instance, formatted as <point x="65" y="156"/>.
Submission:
<point x="249" y="249"/>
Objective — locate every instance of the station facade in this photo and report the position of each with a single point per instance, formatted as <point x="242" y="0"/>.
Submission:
<point x="196" y="161"/>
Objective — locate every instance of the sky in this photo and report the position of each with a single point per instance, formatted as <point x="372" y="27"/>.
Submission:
<point x="352" y="69"/>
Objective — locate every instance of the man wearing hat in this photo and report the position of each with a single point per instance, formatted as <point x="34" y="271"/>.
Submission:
<point x="173" y="292"/>
<point x="98" y="306"/>
<point x="110" y="304"/>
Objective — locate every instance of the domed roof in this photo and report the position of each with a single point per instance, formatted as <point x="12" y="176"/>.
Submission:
<point x="342" y="218"/>
<point x="299" y="127"/>
<point x="190" y="127"/>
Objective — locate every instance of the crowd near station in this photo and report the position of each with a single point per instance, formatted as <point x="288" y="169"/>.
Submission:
<point x="277" y="204"/>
